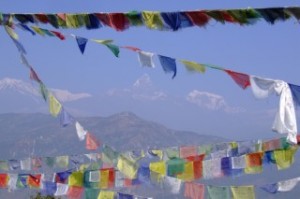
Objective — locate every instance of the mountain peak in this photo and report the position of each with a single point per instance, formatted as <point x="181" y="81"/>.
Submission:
<point x="17" y="85"/>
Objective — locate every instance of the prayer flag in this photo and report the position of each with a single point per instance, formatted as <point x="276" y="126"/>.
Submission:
<point x="62" y="177"/>
<point x="193" y="66"/>
<point x="217" y="192"/>
<point x="188" y="173"/>
<point x="125" y="196"/>
<point x="168" y="64"/>
<point x="197" y="164"/>
<point x="127" y="167"/>
<point x="65" y="118"/>
<point x="242" y="192"/>
<point x="194" y="190"/>
<point x="172" y="19"/>
<point x="34" y="181"/>
<point x="4" y="178"/>
<point x="61" y="190"/>
<point x="62" y="161"/>
<point x="188" y="151"/>
<point x="91" y="193"/>
<point x="34" y="76"/>
<point x="54" y="106"/>
<point x="106" y="195"/>
<point x="254" y="163"/>
<point x="270" y="188"/>
<point x="81" y="43"/>
<point x="113" y="48"/>
<point x="91" y="142"/>
<point x="75" y="192"/>
<point x="146" y="58"/>
<point x="175" y="166"/>
<point x="80" y="131"/>
<point x="158" y="167"/>
<point x="287" y="185"/>
<point x="172" y="184"/>
<point x="49" y="188"/>
<point x="285" y="158"/>
<point x="76" y="179"/>
<point x="11" y="32"/>
<point x="152" y="19"/>
<point x="243" y="80"/>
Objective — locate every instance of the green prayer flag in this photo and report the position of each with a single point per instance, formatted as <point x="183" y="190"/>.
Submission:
<point x="216" y="192"/>
<point x="114" y="49"/>
<point x="91" y="193"/>
<point x="134" y="18"/>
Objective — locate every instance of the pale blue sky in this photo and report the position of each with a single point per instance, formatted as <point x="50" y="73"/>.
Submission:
<point x="261" y="49"/>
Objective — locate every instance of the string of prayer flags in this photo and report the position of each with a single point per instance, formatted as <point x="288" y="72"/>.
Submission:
<point x="174" y="20"/>
<point x="285" y="119"/>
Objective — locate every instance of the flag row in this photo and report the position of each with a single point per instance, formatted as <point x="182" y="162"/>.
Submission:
<point x="289" y="94"/>
<point x="153" y="19"/>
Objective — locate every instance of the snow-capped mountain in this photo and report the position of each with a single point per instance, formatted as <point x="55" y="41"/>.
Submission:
<point x="21" y="96"/>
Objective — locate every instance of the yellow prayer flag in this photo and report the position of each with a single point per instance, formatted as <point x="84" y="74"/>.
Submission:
<point x="193" y="66"/>
<point x="242" y="192"/>
<point x="11" y="32"/>
<point x="159" y="153"/>
<point x="188" y="173"/>
<point x="158" y="167"/>
<point x="76" y="179"/>
<point x="152" y="19"/>
<point x="100" y="41"/>
<point x="72" y="21"/>
<point x="106" y="195"/>
<point x="104" y="177"/>
<point x="285" y="158"/>
<point x="54" y="106"/>
<point x="38" y="30"/>
<point x="127" y="167"/>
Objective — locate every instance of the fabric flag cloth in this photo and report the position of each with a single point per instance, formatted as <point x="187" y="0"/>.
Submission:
<point x="212" y="168"/>
<point x="43" y="91"/>
<point x="49" y="188"/>
<point x="22" y="181"/>
<point x="172" y="152"/>
<point x="11" y="32"/>
<point x="296" y="93"/>
<point x="188" y="173"/>
<point x="25" y="164"/>
<point x="194" y="191"/>
<point x="172" y="184"/>
<point x="175" y="166"/>
<point x="127" y="167"/>
<point x="152" y="19"/>
<point x="80" y="131"/>
<point x="91" y="142"/>
<point x="287" y="185"/>
<point x="91" y="193"/>
<point x="146" y="59"/>
<point x="197" y="165"/>
<point x="12" y="183"/>
<point x="106" y="195"/>
<point x="65" y="118"/>
<point x="36" y="163"/>
<point x="62" y="161"/>
<point x="34" y="181"/>
<point x="168" y="64"/>
<point x="270" y="188"/>
<point x="125" y="196"/>
<point x="14" y="164"/>
<point x="4" y="179"/>
<point x="199" y="18"/>
<point x="158" y="167"/>
<point x="254" y="163"/>
<point x="271" y="145"/>
<point x="172" y="19"/>
<point x="243" y="80"/>
<point x="285" y="120"/>
<point x="75" y="192"/>
<point x="193" y="66"/>
<point x="113" y="48"/>
<point x="76" y="179"/>
<point x="61" y="190"/>
<point x="62" y="177"/>
<point x="285" y="158"/>
<point x="81" y="43"/>
<point x="238" y="162"/>
<point x="242" y="192"/>
<point x="54" y="106"/>
<point x="188" y="151"/>
<point x="94" y="176"/>
<point x="216" y="192"/>
<point x="34" y="76"/>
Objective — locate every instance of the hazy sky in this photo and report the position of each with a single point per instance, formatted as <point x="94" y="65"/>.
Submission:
<point x="209" y="103"/>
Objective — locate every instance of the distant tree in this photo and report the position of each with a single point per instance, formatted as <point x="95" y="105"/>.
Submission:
<point x="39" y="196"/>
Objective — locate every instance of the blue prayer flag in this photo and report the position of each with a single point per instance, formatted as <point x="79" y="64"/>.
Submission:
<point x="296" y="93"/>
<point x="81" y="43"/>
<point x="270" y="188"/>
<point x="125" y="196"/>
<point x="168" y="64"/>
<point x="49" y="188"/>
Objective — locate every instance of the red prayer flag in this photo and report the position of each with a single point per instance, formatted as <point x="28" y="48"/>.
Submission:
<point x="34" y="76"/>
<point x="197" y="164"/>
<point x="75" y="192"/>
<point x="59" y="35"/>
<point x="34" y="180"/>
<point x="3" y="180"/>
<point x="62" y="16"/>
<point x="42" y="18"/>
<point x="243" y="80"/>
<point x="118" y="21"/>
<point x="199" y="18"/>
<point x="194" y="191"/>
<point x="135" y="49"/>
<point x="227" y="17"/>
<point x="91" y="142"/>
